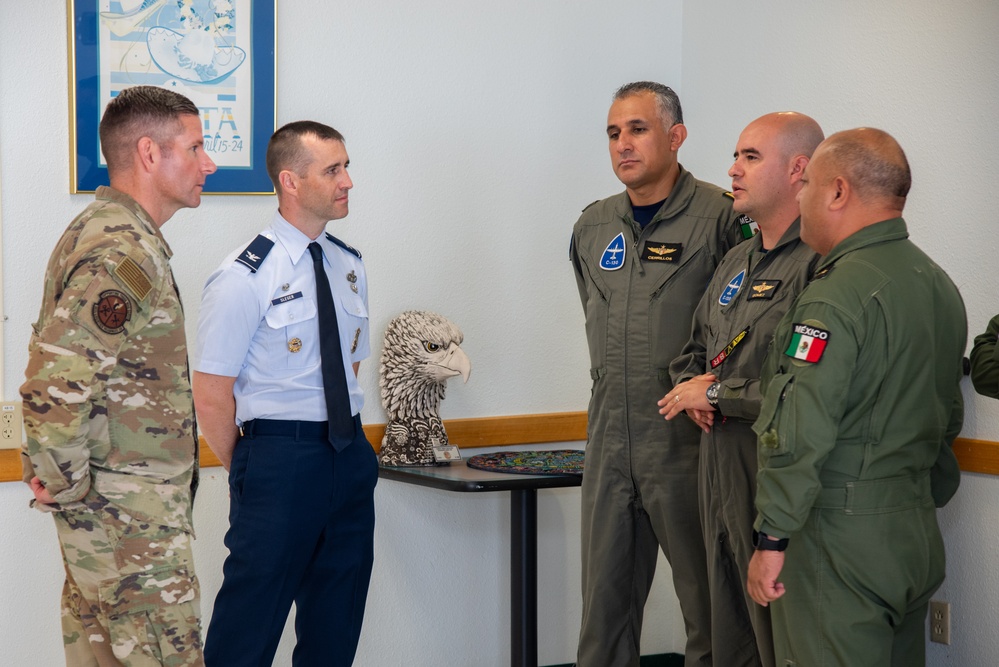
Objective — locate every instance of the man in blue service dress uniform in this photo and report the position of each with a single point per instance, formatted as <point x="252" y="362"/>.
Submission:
<point x="642" y="260"/>
<point x="861" y="404"/>
<point x="284" y="325"/>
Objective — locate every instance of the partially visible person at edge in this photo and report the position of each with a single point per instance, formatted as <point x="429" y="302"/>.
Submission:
<point x="111" y="449"/>
<point x="271" y="338"/>
<point x="861" y="406"/>
<point x="717" y="374"/>
<point x="985" y="361"/>
<point x="642" y="259"/>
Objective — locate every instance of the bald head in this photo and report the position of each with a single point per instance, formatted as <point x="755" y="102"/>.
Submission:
<point x="796" y="133"/>
<point x="770" y="158"/>
<point x="872" y="162"/>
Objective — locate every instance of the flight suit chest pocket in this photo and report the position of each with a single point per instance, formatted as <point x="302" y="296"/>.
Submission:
<point x="294" y="329"/>
<point x="775" y="426"/>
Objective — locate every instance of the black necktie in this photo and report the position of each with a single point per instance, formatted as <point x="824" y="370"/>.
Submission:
<point x="334" y="377"/>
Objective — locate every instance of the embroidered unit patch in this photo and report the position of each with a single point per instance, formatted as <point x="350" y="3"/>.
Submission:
<point x="732" y="288"/>
<point x="111" y="311"/>
<point x="808" y="343"/>
<point x="613" y="257"/>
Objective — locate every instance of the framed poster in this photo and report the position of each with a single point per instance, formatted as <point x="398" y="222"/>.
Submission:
<point x="220" y="53"/>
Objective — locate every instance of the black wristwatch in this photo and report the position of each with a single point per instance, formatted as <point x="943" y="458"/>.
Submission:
<point x="762" y="542"/>
<point x="712" y="394"/>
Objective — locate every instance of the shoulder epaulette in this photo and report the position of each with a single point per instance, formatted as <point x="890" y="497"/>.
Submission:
<point x="589" y="205"/>
<point x="823" y="272"/>
<point x="353" y="251"/>
<point x="255" y="253"/>
<point x="729" y="195"/>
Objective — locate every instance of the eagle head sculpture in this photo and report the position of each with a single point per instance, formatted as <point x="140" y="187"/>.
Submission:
<point x="421" y="352"/>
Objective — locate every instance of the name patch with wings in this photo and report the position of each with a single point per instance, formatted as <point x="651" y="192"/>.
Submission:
<point x="763" y="289"/>
<point x="657" y="251"/>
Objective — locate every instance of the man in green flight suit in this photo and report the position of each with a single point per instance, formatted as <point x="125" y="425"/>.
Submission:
<point x="860" y="409"/>
<point x="985" y="361"/>
<point x="642" y="259"/>
<point x="717" y="374"/>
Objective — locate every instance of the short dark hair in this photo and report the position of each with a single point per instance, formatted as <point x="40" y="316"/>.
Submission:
<point x="141" y="111"/>
<point x="667" y="101"/>
<point x="285" y="149"/>
<point x="874" y="162"/>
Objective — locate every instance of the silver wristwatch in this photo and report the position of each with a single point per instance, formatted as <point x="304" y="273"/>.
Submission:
<point x="712" y="394"/>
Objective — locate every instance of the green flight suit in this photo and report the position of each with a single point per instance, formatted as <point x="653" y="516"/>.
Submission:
<point x="985" y="361"/>
<point x="861" y="406"/>
<point x="639" y="289"/>
<point x="733" y="327"/>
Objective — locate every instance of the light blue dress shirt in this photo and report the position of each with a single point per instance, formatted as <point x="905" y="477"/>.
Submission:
<point x="263" y="328"/>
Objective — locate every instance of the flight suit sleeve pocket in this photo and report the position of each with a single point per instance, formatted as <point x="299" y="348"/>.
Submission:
<point x="152" y="614"/>
<point x="775" y="425"/>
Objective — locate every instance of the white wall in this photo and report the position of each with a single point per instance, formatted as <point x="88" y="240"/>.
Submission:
<point x="476" y="135"/>
<point x="925" y="71"/>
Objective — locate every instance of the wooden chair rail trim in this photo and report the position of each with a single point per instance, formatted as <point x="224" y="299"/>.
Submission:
<point x="980" y="456"/>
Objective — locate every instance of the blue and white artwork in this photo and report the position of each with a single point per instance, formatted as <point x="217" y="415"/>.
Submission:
<point x="200" y="48"/>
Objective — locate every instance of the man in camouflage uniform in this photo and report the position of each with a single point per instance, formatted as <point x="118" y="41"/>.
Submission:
<point x="112" y="448"/>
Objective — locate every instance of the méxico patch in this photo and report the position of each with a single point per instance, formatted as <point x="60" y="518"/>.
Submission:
<point x="763" y="289"/>
<point x="748" y="226"/>
<point x="808" y="343"/>
<point x="111" y="311"/>
<point x="656" y="251"/>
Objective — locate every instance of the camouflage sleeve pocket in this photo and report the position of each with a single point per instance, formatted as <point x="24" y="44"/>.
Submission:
<point x="775" y="425"/>
<point x="154" y="615"/>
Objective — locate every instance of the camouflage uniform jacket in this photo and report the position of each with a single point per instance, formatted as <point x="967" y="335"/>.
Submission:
<point x="107" y="399"/>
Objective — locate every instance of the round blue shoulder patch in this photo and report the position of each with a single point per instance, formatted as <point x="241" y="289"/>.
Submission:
<point x="613" y="257"/>
<point x="732" y="288"/>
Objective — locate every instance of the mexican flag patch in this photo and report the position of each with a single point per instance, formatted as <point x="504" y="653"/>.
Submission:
<point x="808" y="343"/>
<point x="748" y="226"/>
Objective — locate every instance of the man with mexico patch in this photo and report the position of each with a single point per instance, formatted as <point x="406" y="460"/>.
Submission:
<point x="641" y="260"/>
<point x="860" y="409"/>
<point x="112" y="449"/>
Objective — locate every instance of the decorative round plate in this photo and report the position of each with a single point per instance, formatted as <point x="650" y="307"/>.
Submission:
<point x="550" y="462"/>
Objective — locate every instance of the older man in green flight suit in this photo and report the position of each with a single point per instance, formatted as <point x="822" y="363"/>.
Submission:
<point x="860" y="409"/>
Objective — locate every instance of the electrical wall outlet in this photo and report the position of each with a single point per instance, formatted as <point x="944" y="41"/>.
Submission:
<point x="10" y="425"/>
<point x="940" y="622"/>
